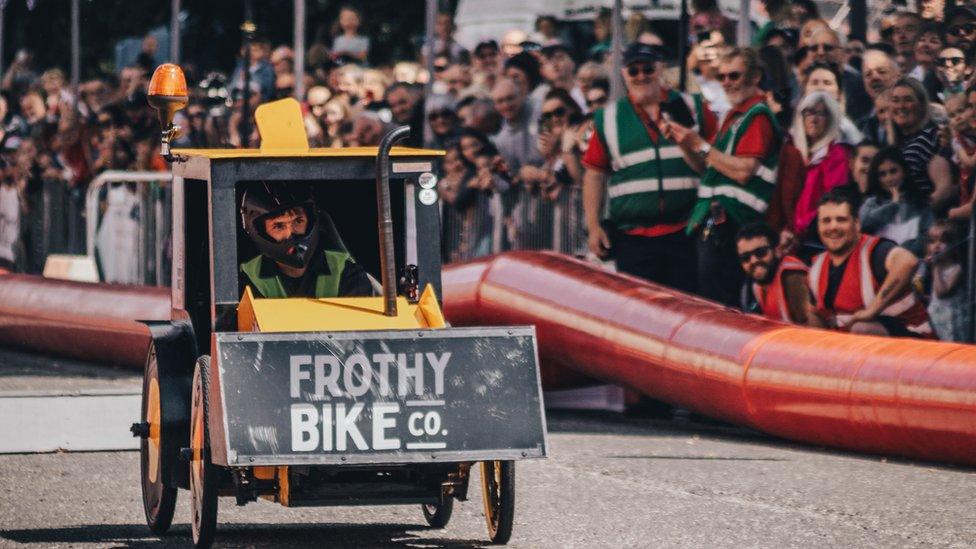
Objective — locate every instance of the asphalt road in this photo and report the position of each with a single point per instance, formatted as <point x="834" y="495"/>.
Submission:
<point x="611" y="481"/>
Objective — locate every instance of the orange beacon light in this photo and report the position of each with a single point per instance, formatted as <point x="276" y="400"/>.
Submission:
<point x="167" y="94"/>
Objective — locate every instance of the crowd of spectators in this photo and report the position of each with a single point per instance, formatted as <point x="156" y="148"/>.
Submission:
<point x="717" y="189"/>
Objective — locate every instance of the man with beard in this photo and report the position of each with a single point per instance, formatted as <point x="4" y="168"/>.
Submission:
<point x="862" y="283"/>
<point x="961" y="28"/>
<point x="650" y="184"/>
<point x="739" y="171"/>
<point x="777" y="284"/>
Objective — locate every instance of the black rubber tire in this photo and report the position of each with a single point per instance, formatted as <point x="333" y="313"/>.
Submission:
<point x="204" y="480"/>
<point x="439" y="514"/>
<point x="498" y="489"/>
<point x="158" y="500"/>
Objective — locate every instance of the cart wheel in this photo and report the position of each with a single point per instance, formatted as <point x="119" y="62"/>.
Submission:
<point x="203" y="474"/>
<point x="498" y="489"/>
<point x="158" y="500"/>
<point x="439" y="514"/>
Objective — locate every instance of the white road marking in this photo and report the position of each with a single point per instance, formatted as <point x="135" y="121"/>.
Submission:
<point x="32" y="421"/>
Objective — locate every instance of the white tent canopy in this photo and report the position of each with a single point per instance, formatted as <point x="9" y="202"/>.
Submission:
<point x="479" y="20"/>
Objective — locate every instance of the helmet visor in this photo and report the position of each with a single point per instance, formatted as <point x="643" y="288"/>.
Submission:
<point x="291" y="222"/>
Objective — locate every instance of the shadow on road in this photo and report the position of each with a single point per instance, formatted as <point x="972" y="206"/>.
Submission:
<point x="249" y="535"/>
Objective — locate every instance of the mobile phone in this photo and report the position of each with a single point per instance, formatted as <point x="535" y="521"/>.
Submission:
<point x="676" y="111"/>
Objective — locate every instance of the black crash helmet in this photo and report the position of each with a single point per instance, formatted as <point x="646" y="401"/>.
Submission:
<point x="263" y="200"/>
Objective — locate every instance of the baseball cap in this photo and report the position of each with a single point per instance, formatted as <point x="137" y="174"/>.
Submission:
<point x="550" y="49"/>
<point x="486" y="44"/>
<point x="961" y="12"/>
<point x="641" y="52"/>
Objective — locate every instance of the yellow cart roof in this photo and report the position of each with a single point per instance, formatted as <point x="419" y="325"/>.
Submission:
<point x="283" y="136"/>
<point x="348" y="152"/>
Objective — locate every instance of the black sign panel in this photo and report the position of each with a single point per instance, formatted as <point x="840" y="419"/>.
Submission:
<point x="378" y="397"/>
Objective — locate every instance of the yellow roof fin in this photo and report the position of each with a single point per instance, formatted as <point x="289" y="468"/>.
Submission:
<point x="281" y="127"/>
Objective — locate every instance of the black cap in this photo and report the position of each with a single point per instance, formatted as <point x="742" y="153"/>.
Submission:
<point x="966" y="12"/>
<point x="641" y="52"/>
<point x="486" y="44"/>
<point x="551" y="49"/>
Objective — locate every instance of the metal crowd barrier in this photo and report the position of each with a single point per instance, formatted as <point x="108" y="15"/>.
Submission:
<point x="130" y="240"/>
<point x="518" y="220"/>
<point x="54" y="223"/>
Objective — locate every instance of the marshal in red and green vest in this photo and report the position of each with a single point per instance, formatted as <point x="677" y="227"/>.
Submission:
<point x="743" y="203"/>
<point x="650" y="183"/>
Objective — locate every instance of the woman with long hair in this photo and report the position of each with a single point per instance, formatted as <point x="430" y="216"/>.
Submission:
<point x="895" y="208"/>
<point x="917" y="136"/>
<point x="816" y="134"/>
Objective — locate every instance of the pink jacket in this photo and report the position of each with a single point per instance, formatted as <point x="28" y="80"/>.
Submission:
<point x="828" y="168"/>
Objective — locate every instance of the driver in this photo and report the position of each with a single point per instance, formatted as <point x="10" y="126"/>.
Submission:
<point x="283" y="223"/>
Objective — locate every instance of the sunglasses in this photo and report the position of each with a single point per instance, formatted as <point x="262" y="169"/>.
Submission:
<point x="951" y="61"/>
<point x="440" y="68"/>
<point x="814" y="112"/>
<point x="733" y="76"/>
<point x="558" y="112"/>
<point x="634" y="70"/>
<point x="439" y="114"/>
<point x="758" y="253"/>
<point x="961" y="29"/>
<point x="598" y="102"/>
<point x="826" y="48"/>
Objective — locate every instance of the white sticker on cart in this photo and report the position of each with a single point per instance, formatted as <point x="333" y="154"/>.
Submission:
<point x="427" y="180"/>
<point x="411" y="167"/>
<point x="427" y="196"/>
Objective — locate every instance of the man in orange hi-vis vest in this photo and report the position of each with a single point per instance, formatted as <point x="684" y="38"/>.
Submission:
<point x="778" y="283"/>
<point x="862" y="283"/>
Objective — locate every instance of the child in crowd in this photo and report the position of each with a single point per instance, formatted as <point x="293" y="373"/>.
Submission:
<point x="895" y="209"/>
<point x="860" y="162"/>
<point x="348" y="43"/>
<point x="961" y="124"/>
<point x="947" y="306"/>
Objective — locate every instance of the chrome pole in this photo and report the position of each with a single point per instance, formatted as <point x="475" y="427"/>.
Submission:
<point x="299" y="47"/>
<point x="174" y="32"/>
<point x="616" y="49"/>
<point x="75" y="44"/>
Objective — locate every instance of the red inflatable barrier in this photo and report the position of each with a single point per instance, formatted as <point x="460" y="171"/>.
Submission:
<point x="79" y="320"/>
<point x="879" y="395"/>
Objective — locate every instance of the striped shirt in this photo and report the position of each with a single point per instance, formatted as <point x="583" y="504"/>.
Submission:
<point x="918" y="150"/>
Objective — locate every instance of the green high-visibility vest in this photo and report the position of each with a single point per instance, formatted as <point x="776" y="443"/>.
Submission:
<point x="743" y="203"/>
<point x="326" y="285"/>
<point x="650" y="183"/>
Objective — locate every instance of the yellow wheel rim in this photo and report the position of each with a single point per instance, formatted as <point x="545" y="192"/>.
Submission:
<point x="490" y="483"/>
<point x="196" y="439"/>
<point x="152" y="417"/>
